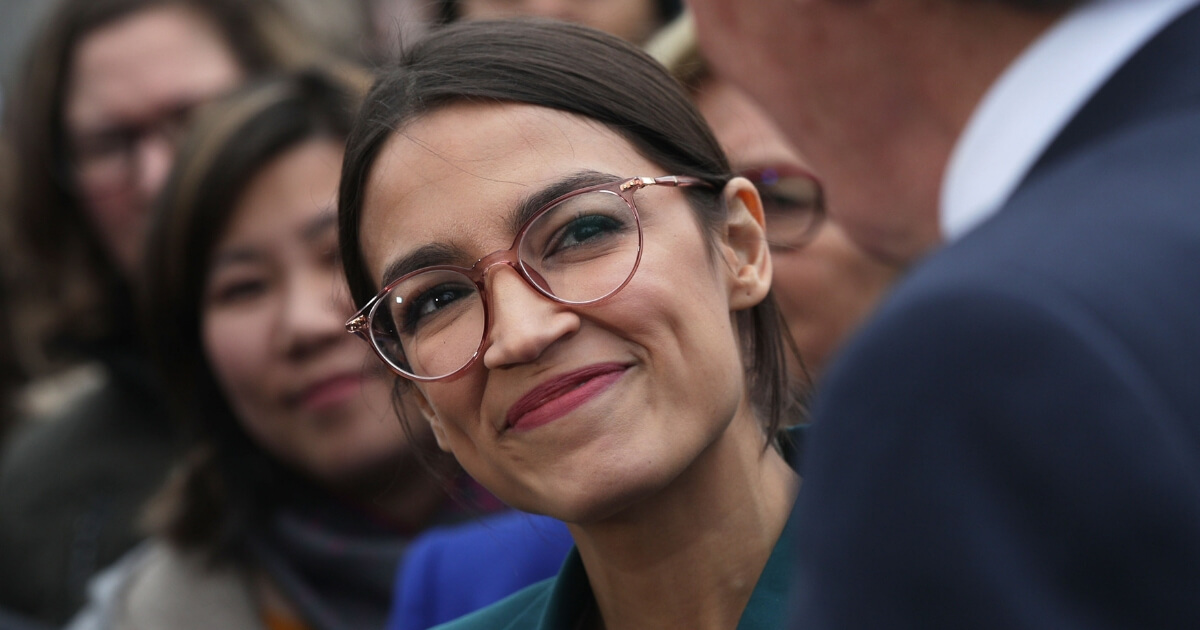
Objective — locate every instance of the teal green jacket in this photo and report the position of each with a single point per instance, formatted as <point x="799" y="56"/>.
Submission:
<point x="561" y="602"/>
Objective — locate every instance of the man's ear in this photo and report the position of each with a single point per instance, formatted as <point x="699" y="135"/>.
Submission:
<point x="745" y="247"/>
<point x="439" y="430"/>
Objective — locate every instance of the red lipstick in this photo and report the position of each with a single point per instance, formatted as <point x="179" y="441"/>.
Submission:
<point x="559" y="396"/>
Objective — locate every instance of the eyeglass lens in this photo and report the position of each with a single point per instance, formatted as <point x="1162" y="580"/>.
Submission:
<point x="793" y="205"/>
<point x="109" y="156"/>
<point x="578" y="251"/>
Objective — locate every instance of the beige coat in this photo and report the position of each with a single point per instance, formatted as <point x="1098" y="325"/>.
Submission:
<point x="157" y="587"/>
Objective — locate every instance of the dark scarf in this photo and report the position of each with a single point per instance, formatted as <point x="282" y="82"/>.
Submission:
<point x="336" y="569"/>
<point x="336" y="562"/>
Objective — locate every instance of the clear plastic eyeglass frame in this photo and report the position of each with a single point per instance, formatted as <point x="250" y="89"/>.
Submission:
<point x="361" y="323"/>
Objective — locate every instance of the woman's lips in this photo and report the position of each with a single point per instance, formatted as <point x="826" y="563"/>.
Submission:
<point x="330" y="392"/>
<point x="559" y="396"/>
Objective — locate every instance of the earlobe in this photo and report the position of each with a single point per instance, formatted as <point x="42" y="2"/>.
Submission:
<point x="439" y="431"/>
<point x="746" y="251"/>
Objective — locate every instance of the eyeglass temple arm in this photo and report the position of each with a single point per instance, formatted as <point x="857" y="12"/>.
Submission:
<point x="357" y="324"/>
<point x="668" y="180"/>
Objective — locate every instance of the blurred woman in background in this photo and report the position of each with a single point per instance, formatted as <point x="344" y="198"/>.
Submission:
<point x="300" y="490"/>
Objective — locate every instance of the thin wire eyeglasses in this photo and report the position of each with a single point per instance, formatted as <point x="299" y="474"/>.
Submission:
<point x="579" y="249"/>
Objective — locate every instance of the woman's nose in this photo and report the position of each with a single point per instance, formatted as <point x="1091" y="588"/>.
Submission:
<point x="524" y="323"/>
<point x="154" y="155"/>
<point x="313" y="315"/>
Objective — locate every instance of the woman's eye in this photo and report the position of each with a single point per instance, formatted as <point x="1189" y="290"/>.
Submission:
<point x="432" y="301"/>
<point x="581" y="230"/>
<point x="238" y="292"/>
<point x="102" y="144"/>
<point x="784" y="204"/>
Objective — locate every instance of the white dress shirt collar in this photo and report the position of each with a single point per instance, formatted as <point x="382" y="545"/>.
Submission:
<point x="1035" y="98"/>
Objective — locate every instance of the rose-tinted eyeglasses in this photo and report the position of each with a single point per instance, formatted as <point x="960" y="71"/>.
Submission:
<point x="581" y="248"/>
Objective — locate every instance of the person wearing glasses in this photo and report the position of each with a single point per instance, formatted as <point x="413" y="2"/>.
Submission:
<point x="109" y="88"/>
<point x="552" y="254"/>
<point x="824" y="283"/>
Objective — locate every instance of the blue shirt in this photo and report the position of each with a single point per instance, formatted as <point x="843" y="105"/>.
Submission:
<point x="451" y="571"/>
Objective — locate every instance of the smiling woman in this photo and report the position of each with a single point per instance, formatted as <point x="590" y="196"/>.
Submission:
<point x="548" y="245"/>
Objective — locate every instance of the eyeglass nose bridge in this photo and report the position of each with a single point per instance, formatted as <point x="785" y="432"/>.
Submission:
<point x="510" y="258"/>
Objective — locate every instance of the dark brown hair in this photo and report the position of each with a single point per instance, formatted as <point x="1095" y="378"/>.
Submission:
<point x="12" y="376"/>
<point x="229" y="482"/>
<point x="583" y="72"/>
<point x="66" y="291"/>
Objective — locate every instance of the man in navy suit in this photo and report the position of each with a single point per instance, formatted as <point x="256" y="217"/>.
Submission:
<point x="1013" y="439"/>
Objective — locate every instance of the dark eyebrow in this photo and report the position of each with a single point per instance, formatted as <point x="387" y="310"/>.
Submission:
<point x="426" y="256"/>
<point x="442" y="254"/>
<point x="538" y="200"/>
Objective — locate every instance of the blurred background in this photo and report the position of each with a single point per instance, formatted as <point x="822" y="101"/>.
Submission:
<point x="17" y="21"/>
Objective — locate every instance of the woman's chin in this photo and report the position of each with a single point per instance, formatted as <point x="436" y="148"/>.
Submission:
<point x="591" y="501"/>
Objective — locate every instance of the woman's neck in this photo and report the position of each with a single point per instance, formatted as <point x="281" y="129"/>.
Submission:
<point x="690" y="556"/>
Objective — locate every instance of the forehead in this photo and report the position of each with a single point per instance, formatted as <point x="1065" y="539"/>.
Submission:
<point x="290" y="194"/>
<point x="152" y="59"/>
<point x="455" y="176"/>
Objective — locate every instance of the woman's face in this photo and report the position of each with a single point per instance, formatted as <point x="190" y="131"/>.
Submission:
<point x="274" y="306"/>
<point x="824" y="288"/>
<point x="632" y="20"/>
<point x="131" y="87"/>
<point x="573" y="411"/>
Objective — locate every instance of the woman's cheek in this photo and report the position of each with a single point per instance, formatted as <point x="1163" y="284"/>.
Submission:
<point x="456" y="405"/>
<point x="238" y="353"/>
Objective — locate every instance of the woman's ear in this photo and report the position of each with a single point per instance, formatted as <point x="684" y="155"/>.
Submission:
<point x="439" y="430"/>
<point x="745" y="247"/>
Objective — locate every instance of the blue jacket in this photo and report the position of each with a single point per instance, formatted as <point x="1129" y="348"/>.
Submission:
<point x="451" y="571"/>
